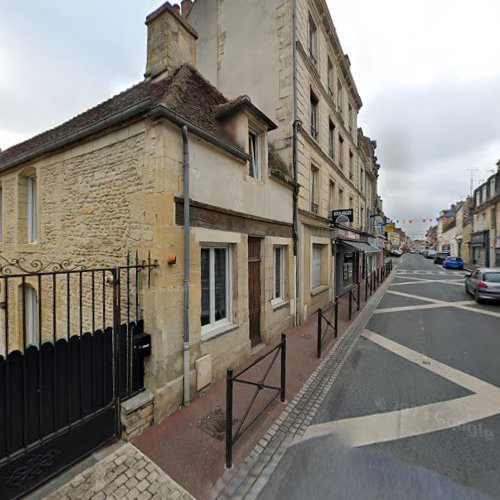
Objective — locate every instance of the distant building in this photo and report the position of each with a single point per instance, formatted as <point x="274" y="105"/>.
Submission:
<point x="485" y="240"/>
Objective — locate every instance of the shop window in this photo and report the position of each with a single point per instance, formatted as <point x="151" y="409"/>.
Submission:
<point x="348" y="269"/>
<point x="279" y="273"/>
<point x="215" y="287"/>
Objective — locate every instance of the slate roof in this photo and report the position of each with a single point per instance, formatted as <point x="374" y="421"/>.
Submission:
<point x="185" y="93"/>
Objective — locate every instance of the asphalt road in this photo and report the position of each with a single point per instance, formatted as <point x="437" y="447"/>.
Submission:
<point x="415" y="410"/>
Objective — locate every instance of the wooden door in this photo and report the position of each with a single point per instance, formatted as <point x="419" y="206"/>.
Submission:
<point x="254" y="260"/>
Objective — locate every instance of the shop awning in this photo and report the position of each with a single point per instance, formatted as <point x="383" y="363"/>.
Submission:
<point x="362" y="247"/>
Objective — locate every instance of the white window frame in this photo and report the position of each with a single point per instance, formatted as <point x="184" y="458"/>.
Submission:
<point x="318" y="247"/>
<point x="255" y="153"/>
<point x="31" y="216"/>
<point x="213" y="326"/>
<point x="279" y="295"/>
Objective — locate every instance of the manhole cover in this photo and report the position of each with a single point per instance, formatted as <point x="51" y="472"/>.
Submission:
<point x="214" y="424"/>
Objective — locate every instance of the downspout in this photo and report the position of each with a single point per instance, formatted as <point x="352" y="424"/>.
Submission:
<point x="296" y="245"/>
<point x="185" y="146"/>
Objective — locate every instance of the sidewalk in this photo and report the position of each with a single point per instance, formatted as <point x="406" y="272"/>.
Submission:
<point x="193" y="457"/>
<point x="186" y="452"/>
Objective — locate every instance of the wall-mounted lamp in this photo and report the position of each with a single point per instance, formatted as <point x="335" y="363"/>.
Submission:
<point x="171" y="259"/>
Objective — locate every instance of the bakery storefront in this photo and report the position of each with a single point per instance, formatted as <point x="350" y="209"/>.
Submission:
<point x="352" y="252"/>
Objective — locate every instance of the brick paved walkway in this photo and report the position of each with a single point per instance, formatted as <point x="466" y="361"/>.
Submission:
<point x="125" y="474"/>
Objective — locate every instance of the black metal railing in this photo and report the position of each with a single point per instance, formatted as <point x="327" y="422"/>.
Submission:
<point x="66" y="344"/>
<point x="328" y="321"/>
<point x="354" y="299"/>
<point x="260" y="385"/>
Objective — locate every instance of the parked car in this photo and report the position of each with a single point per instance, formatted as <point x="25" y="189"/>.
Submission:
<point x="453" y="263"/>
<point x="396" y="253"/>
<point x="440" y="257"/>
<point x="430" y="254"/>
<point x="484" y="284"/>
<point x="424" y="252"/>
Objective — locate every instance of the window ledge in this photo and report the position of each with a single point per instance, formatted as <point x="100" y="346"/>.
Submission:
<point x="218" y="331"/>
<point x="278" y="304"/>
<point x="319" y="289"/>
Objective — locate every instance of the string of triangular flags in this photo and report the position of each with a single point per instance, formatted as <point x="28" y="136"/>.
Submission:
<point x="417" y="220"/>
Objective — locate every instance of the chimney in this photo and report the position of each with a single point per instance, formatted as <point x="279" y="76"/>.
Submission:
<point x="498" y="166"/>
<point x="185" y="7"/>
<point x="171" y="42"/>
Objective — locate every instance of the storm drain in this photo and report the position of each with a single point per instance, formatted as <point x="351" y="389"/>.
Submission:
<point x="214" y="424"/>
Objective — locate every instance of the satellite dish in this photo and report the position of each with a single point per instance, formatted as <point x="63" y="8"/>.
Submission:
<point x="342" y="219"/>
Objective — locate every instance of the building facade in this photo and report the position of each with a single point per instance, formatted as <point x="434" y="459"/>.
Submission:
<point x="304" y="84"/>
<point x="486" y="230"/>
<point x="113" y="180"/>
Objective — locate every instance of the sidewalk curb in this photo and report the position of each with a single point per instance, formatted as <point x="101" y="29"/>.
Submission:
<point x="247" y="480"/>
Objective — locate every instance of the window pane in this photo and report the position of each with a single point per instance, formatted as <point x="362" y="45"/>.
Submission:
<point x="205" y="286"/>
<point x="316" y="270"/>
<point x="220" y="284"/>
<point x="277" y="272"/>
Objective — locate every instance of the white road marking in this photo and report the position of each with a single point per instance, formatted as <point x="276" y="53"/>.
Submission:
<point x="408" y="308"/>
<point x="458" y="377"/>
<point x="418" y="281"/>
<point x="399" y="424"/>
<point x="407" y="422"/>
<point x="463" y="304"/>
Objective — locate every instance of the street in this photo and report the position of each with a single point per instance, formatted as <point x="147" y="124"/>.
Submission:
<point x="415" y="410"/>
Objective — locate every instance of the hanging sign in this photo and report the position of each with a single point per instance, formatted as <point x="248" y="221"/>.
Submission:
<point x="343" y="216"/>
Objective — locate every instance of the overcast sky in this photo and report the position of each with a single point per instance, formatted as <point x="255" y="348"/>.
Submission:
<point x="428" y="73"/>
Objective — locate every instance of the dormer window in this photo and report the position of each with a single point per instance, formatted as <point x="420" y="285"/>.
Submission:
<point x="254" y="151"/>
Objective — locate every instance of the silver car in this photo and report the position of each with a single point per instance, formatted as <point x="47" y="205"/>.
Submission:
<point x="484" y="284"/>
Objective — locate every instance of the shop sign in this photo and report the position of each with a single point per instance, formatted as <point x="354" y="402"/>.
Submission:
<point x="478" y="238"/>
<point x="347" y="235"/>
<point x="389" y="228"/>
<point x="343" y="216"/>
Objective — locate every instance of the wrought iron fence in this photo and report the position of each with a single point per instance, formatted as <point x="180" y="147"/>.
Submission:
<point x="260" y="385"/>
<point x="328" y="320"/>
<point x="66" y="345"/>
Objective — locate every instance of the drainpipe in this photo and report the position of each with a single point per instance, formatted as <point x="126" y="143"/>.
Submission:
<point x="185" y="145"/>
<point x="296" y="242"/>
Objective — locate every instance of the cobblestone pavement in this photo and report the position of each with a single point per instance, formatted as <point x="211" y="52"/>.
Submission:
<point x="125" y="474"/>
<point x="248" y="480"/>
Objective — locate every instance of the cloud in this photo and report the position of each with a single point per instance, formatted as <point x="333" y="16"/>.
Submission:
<point x="65" y="57"/>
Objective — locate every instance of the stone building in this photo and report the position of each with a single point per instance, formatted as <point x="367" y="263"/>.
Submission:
<point x="288" y="55"/>
<point x="113" y="180"/>
<point x="485" y="239"/>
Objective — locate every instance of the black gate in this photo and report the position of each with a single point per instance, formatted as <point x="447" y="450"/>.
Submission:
<point x="66" y="360"/>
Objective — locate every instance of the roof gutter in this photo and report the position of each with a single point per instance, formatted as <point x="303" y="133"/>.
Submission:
<point x="161" y="111"/>
<point x="83" y="133"/>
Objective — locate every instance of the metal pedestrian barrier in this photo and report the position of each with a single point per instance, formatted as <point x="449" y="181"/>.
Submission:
<point x="328" y="320"/>
<point x="260" y="385"/>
